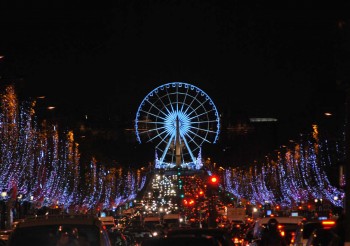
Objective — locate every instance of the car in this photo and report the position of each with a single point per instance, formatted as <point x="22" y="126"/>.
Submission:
<point x="4" y="236"/>
<point x="287" y="225"/>
<point x="108" y="222"/>
<point x="305" y="229"/>
<point x="48" y="230"/>
<point x="321" y="236"/>
<point x="117" y="237"/>
<point x="130" y="239"/>
<point x="219" y="234"/>
<point x="139" y="234"/>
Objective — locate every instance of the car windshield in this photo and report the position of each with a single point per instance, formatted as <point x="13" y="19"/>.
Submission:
<point x="51" y="235"/>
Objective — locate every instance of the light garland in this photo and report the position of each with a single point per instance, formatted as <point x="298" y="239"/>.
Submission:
<point x="293" y="178"/>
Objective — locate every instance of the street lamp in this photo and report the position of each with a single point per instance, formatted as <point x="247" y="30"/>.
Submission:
<point x="18" y="206"/>
<point x="3" y="194"/>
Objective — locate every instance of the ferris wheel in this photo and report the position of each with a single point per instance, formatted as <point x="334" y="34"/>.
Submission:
<point x="178" y="118"/>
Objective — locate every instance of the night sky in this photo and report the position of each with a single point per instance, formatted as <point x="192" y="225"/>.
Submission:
<point x="102" y="59"/>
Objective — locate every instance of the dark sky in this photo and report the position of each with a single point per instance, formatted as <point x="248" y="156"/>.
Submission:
<point x="103" y="58"/>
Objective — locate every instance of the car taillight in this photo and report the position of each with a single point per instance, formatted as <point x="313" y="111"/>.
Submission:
<point x="328" y="223"/>
<point x="293" y="237"/>
<point x="237" y="240"/>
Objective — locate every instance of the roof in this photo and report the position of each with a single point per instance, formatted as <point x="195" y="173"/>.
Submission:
<point x="151" y="219"/>
<point x="198" y="230"/>
<point x="107" y="220"/>
<point x="171" y="216"/>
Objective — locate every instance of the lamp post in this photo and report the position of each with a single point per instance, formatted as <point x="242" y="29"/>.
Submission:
<point x="3" y="210"/>
<point x="18" y="207"/>
<point x="212" y="193"/>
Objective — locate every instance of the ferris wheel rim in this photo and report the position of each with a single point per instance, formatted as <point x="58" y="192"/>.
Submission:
<point x="174" y="84"/>
<point x="178" y="117"/>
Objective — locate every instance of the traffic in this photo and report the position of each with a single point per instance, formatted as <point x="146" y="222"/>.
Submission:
<point x="189" y="205"/>
<point x="183" y="207"/>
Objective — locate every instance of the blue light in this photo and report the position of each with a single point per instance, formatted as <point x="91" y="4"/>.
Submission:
<point x="178" y="118"/>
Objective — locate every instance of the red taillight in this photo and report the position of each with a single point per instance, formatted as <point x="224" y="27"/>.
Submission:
<point x="328" y="223"/>
<point x="293" y="237"/>
<point x="237" y="240"/>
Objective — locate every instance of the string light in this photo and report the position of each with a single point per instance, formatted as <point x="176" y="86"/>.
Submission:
<point x="297" y="176"/>
<point x="41" y="163"/>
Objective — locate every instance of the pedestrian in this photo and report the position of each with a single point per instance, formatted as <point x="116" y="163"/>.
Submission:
<point x="271" y="235"/>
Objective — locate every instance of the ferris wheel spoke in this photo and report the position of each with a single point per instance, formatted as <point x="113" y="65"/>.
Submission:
<point x="191" y="140"/>
<point x="204" y="113"/>
<point x="160" y="99"/>
<point x="155" y="106"/>
<point x="157" y="136"/>
<point x="152" y="130"/>
<point x="188" y="147"/>
<point x="197" y="108"/>
<point x="167" y="146"/>
<point x="195" y="134"/>
<point x="189" y="105"/>
<point x="184" y="100"/>
<point x="164" y="140"/>
<point x="194" y="98"/>
<point x="203" y="121"/>
<point x="170" y="101"/>
<point x="201" y="129"/>
<point x="177" y="99"/>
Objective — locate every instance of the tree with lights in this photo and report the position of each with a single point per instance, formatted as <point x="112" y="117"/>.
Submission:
<point x="43" y="165"/>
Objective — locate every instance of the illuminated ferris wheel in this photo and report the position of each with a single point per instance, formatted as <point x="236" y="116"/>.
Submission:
<point x="178" y="118"/>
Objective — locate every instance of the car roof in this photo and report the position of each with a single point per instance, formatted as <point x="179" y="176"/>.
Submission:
<point x="281" y="220"/>
<point x="106" y="218"/>
<point x="60" y="219"/>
